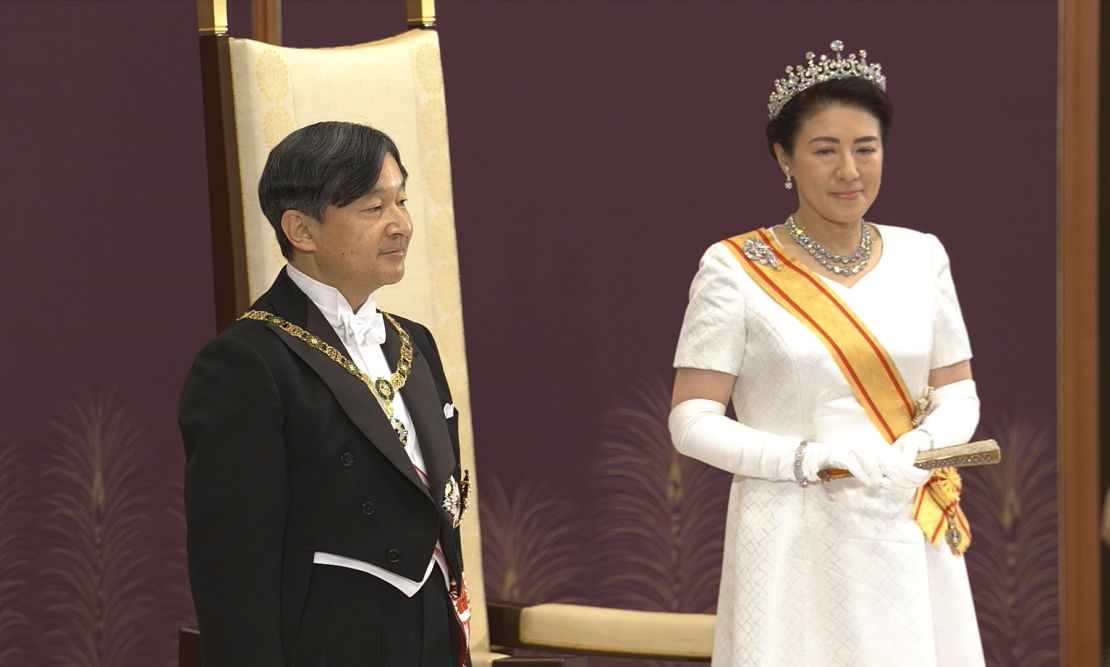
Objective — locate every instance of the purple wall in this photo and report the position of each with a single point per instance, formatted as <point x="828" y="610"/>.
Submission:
<point x="591" y="171"/>
<point x="597" y="149"/>
<point x="108" y="295"/>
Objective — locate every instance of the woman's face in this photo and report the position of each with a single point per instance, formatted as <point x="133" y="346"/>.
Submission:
<point x="837" y="165"/>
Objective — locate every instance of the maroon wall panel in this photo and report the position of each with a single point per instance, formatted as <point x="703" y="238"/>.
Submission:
<point x="107" y="297"/>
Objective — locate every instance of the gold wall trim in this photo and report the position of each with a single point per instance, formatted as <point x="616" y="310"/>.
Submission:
<point x="1077" y="340"/>
<point x="212" y="17"/>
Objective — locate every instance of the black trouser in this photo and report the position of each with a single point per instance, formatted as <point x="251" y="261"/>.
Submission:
<point x="353" y="619"/>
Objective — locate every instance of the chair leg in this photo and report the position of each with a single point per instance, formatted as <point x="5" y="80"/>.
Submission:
<point x="188" y="648"/>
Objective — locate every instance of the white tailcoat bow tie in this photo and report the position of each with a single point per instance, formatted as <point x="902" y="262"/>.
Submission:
<point x="358" y="329"/>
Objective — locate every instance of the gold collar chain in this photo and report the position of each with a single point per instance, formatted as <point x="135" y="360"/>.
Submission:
<point x="384" y="389"/>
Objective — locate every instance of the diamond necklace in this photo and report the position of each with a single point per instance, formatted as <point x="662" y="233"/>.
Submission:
<point x="841" y="265"/>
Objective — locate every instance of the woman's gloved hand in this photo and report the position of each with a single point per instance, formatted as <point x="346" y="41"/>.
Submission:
<point x="882" y="466"/>
<point x="910" y="443"/>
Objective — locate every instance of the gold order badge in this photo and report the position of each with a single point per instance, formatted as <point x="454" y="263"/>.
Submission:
<point x="456" y="498"/>
<point x="385" y="389"/>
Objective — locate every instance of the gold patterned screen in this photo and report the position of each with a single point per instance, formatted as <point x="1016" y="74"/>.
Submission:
<point x="395" y="85"/>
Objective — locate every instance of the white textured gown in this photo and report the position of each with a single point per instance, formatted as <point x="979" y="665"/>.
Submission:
<point x="831" y="574"/>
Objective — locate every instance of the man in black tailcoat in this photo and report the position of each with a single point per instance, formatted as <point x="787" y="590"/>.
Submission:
<point x="322" y="471"/>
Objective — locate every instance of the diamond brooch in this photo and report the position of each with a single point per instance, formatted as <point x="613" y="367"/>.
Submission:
<point x="761" y="253"/>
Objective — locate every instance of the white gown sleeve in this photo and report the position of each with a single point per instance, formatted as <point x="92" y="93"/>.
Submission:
<point x="713" y="332"/>
<point x="950" y="340"/>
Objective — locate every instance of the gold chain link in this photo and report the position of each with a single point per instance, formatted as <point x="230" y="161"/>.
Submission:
<point x="384" y="389"/>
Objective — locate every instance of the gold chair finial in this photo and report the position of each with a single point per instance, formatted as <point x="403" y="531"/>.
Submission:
<point x="421" y="13"/>
<point x="212" y="17"/>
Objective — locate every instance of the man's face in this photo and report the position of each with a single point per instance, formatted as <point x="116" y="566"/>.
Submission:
<point x="362" y="246"/>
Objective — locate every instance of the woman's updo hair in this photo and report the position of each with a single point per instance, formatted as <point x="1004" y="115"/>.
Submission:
<point x="853" y="92"/>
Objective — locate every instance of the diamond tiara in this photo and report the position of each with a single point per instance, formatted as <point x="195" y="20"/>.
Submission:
<point x="817" y="70"/>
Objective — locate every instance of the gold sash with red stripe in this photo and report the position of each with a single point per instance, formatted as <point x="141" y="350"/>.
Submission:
<point x="867" y="367"/>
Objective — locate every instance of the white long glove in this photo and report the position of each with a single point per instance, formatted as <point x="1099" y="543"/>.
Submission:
<point x="700" y="429"/>
<point x="952" y="420"/>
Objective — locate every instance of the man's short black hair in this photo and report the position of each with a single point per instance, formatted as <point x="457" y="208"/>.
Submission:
<point x="325" y="164"/>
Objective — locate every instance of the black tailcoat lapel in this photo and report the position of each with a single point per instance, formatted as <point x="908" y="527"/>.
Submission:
<point x="354" y="397"/>
<point x="426" y="410"/>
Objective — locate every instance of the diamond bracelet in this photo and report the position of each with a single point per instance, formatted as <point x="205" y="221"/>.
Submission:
<point x="799" y="455"/>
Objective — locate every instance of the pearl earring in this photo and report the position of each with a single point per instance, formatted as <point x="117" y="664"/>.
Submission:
<point x="789" y="184"/>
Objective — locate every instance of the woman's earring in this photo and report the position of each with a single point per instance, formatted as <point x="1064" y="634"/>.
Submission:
<point x="789" y="184"/>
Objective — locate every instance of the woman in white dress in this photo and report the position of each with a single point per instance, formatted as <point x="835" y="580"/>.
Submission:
<point x="842" y="347"/>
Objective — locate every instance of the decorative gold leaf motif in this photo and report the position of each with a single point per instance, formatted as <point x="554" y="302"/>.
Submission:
<point x="15" y="554"/>
<point x="97" y="551"/>
<point x="272" y="76"/>
<point x="661" y="516"/>
<point x="529" y="544"/>
<point x="437" y="172"/>
<point x="276" y="125"/>
<point x="426" y="64"/>
<point x="1013" y="561"/>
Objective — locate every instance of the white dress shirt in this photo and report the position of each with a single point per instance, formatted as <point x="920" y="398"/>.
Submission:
<point x="368" y="355"/>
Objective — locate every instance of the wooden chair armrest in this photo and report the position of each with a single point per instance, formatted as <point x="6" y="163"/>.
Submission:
<point x="552" y="661"/>
<point x="603" y="631"/>
<point x="188" y="655"/>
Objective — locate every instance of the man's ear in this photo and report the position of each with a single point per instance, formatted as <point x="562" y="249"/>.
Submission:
<point x="297" y="228"/>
